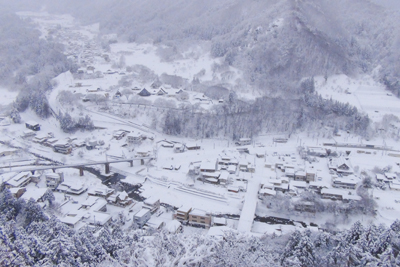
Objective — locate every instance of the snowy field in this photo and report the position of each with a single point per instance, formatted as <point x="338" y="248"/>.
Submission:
<point x="7" y="96"/>
<point x="192" y="62"/>
<point x="364" y="93"/>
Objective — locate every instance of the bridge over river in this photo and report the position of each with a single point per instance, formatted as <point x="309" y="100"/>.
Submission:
<point x="80" y="166"/>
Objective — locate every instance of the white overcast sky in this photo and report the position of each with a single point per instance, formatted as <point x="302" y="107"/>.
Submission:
<point x="388" y="3"/>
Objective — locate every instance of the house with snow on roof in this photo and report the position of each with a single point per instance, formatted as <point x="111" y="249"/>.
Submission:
<point x="28" y="134"/>
<point x="266" y="192"/>
<point x="72" y="219"/>
<point x="341" y="165"/>
<point x="317" y="186"/>
<point x="208" y="166"/>
<point x="74" y="188"/>
<point x="192" y="146"/>
<point x="62" y="147"/>
<point x="345" y="182"/>
<point x="334" y="194"/>
<point x="160" y="92"/>
<point x="32" y="125"/>
<point x="300" y="176"/>
<point x="134" y="138"/>
<point x="120" y="199"/>
<point x="317" y="152"/>
<point x="17" y="192"/>
<point x="94" y="204"/>
<point x="37" y="194"/>
<point x="54" y="179"/>
<point x="381" y="178"/>
<point x="182" y="214"/>
<point x="310" y="174"/>
<point x="99" y="218"/>
<point x="40" y="138"/>
<point x="152" y="203"/>
<point x="390" y="176"/>
<point x="103" y="192"/>
<point x="141" y="217"/>
<point x="223" y="178"/>
<point x="119" y="134"/>
<point x="305" y="206"/>
<point x="199" y="217"/>
<point x="179" y="148"/>
<point x="394" y="186"/>
<point x="19" y="180"/>
<point x="219" y="221"/>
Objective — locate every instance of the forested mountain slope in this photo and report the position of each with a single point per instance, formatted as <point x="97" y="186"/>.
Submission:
<point x="276" y="43"/>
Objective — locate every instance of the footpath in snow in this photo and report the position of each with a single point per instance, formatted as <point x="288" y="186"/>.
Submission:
<point x="249" y="207"/>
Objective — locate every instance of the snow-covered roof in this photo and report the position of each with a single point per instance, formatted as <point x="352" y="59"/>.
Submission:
<point x="268" y="185"/>
<point x="185" y="209"/>
<point x="345" y="181"/>
<point x="142" y="213"/>
<point x="90" y="201"/>
<point x="16" y="189"/>
<point x="319" y="184"/>
<point x="231" y="168"/>
<point x="283" y="186"/>
<point x="268" y="191"/>
<point x="333" y="191"/>
<point x="318" y="150"/>
<point x="52" y="175"/>
<point x="123" y="195"/>
<point x="28" y="132"/>
<point x="192" y="145"/>
<point x="351" y="197"/>
<point x="212" y="174"/>
<point x="19" y="179"/>
<point x="390" y="175"/>
<point x="300" y="173"/>
<point x="395" y="186"/>
<point x="100" y="191"/>
<point x="289" y="171"/>
<point x="380" y="176"/>
<point x="71" y="219"/>
<point x="207" y="165"/>
<point x="33" y="123"/>
<point x="224" y="175"/>
<point x="284" y="179"/>
<point x="298" y="184"/>
<point x="34" y="193"/>
<point x="7" y="176"/>
<point x="212" y="180"/>
<point x="151" y="200"/>
<point x="99" y="218"/>
<point x="219" y="220"/>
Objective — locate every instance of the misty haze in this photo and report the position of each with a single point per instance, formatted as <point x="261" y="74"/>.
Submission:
<point x="200" y="133"/>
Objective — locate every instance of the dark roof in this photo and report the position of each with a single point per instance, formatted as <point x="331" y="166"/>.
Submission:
<point x="144" y="92"/>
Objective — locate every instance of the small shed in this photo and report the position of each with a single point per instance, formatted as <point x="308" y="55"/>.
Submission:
<point x="32" y="125"/>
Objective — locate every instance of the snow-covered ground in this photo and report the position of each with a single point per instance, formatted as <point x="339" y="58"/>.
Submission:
<point x="7" y="96"/>
<point x="364" y="93"/>
<point x="175" y="187"/>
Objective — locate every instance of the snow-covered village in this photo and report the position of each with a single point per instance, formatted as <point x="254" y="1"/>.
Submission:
<point x="138" y="137"/>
